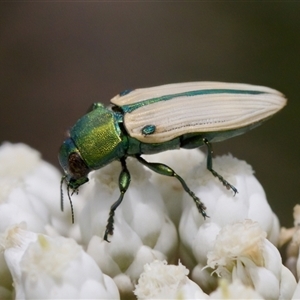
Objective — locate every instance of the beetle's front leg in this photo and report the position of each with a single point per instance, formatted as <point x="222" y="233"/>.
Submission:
<point x="165" y="170"/>
<point x="124" y="181"/>
<point x="209" y="167"/>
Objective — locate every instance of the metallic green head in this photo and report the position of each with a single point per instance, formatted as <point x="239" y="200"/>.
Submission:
<point x="95" y="140"/>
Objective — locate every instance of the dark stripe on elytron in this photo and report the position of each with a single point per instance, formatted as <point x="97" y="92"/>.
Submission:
<point x="131" y="107"/>
<point x="125" y="92"/>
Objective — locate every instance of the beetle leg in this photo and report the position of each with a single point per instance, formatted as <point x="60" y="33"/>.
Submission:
<point x="209" y="167"/>
<point x="165" y="170"/>
<point x="124" y="181"/>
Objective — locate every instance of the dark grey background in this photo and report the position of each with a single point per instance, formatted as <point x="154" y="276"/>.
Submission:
<point x="56" y="58"/>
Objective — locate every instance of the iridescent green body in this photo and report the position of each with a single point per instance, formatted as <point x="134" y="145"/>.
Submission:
<point x="152" y="120"/>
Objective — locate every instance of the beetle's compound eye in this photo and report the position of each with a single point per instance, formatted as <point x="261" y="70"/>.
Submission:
<point x="77" y="166"/>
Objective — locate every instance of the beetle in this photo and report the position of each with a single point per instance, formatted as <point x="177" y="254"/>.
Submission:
<point x="156" y="119"/>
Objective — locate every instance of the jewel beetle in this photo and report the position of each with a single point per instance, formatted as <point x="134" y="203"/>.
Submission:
<point x="156" y="119"/>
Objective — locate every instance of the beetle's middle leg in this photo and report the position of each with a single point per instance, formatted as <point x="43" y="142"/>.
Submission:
<point x="124" y="181"/>
<point x="209" y="167"/>
<point x="165" y="170"/>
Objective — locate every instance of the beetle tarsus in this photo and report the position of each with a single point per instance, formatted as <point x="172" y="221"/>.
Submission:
<point x="224" y="182"/>
<point x="110" y="226"/>
<point x="200" y="205"/>
<point x="209" y="168"/>
<point x="110" y="221"/>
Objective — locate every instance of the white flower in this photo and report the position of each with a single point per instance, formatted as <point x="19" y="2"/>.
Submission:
<point x="241" y="251"/>
<point x="162" y="281"/>
<point x="29" y="191"/>
<point x="198" y="235"/>
<point x="142" y="230"/>
<point x="42" y="264"/>
<point x="241" y="242"/>
<point x="47" y="268"/>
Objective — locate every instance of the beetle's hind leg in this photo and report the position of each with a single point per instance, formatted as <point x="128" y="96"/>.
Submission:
<point x="209" y="167"/>
<point x="165" y="170"/>
<point x="124" y="181"/>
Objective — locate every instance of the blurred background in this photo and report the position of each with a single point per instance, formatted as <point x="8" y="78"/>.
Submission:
<point x="56" y="58"/>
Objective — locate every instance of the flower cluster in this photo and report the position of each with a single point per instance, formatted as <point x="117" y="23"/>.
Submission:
<point x="162" y="248"/>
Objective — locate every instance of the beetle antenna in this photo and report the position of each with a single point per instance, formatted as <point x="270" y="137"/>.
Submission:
<point x="69" y="196"/>
<point x="62" y="193"/>
<point x="71" y="204"/>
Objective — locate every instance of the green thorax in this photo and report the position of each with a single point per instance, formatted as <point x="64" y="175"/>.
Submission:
<point x="98" y="137"/>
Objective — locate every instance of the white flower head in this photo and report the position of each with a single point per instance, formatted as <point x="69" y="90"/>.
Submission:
<point x="241" y="251"/>
<point x="162" y="281"/>
<point x="198" y="235"/>
<point x="47" y="268"/>
<point x="241" y="242"/>
<point x="50" y="257"/>
<point x="228" y="243"/>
